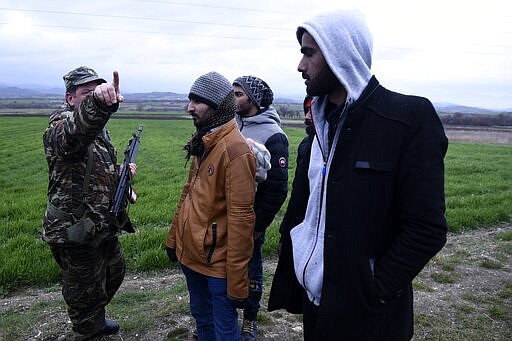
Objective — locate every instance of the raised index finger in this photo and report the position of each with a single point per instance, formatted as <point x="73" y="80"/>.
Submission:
<point x="115" y="81"/>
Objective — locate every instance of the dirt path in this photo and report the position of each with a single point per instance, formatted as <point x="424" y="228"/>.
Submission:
<point x="455" y="292"/>
<point x="467" y="286"/>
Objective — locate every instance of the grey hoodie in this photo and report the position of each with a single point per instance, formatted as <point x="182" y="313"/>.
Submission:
<point x="346" y="45"/>
<point x="265" y="128"/>
<point x="260" y="127"/>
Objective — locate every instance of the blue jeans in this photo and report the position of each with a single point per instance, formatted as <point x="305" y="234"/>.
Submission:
<point x="216" y="318"/>
<point x="256" y="279"/>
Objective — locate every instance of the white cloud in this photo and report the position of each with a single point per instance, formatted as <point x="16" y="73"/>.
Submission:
<point x="458" y="51"/>
<point x="16" y="24"/>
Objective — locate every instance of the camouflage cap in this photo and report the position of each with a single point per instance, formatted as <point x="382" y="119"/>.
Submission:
<point x="81" y="75"/>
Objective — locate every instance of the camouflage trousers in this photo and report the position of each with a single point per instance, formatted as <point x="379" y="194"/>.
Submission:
<point x="91" y="277"/>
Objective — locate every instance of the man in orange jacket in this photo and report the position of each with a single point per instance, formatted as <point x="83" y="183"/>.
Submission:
<point x="212" y="231"/>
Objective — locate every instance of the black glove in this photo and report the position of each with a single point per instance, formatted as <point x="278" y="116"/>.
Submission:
<point x="171" y="253"/>
<point x="238" y="303"/>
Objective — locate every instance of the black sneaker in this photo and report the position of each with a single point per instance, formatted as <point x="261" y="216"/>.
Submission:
<point x="249" y="329"/>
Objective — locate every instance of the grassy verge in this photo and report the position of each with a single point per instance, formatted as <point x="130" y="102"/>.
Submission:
<point x="477" y="191"/>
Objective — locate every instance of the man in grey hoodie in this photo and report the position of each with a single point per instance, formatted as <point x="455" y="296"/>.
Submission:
<point x="371" y="213"/>
<point x="259" y="121"/>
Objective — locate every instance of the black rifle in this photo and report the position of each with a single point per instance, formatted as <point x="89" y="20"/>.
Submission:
<point x="123" y="190"/>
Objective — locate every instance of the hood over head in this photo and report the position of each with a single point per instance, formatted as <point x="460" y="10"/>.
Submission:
<point x="347" y="46"/>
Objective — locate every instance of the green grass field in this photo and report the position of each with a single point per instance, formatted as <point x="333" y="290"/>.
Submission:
<point x="478" y="193"/>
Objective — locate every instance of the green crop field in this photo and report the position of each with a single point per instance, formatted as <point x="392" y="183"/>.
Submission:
<point x="478" y="193"/>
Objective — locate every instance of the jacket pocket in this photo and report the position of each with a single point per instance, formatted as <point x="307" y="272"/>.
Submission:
<point x="82" y="232"/>
<point x="381" y="166"/>
<point x="375" y="300"/>
<point x="371" y="262"/>
<point x="214" y="243"/>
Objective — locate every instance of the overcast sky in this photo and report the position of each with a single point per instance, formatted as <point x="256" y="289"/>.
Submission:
<point x="447" y="50"/>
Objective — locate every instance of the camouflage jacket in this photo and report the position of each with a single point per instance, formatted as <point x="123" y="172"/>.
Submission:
<point x="66" y="143"/>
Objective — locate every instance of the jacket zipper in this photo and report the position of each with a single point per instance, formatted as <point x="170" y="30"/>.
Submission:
<point x="214" y="242"/>
<point x="324" y="172"/>
<point x="193" y="182"/>
<point x="189" y="196"/>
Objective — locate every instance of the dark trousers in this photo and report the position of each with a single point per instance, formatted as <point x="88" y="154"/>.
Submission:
<point x="90" y="278"/>
<point x="309" y="318"/>
<point x="256" y="279"/>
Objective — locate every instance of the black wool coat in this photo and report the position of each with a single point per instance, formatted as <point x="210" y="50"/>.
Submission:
<point x="385" y="218"/>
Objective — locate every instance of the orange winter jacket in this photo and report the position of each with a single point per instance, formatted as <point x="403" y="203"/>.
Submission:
<point x="212" y="230"/>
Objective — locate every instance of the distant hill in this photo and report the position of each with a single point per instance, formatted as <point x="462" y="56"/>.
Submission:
<point x="283" y="100"/>
<point x="155" y="96"/>
<point x="39" y="91"/>
<point x="171" y="96"/>
<point x="7" y="91"/>
<point x="17" y="92"/>
<point x="450" y="108"/>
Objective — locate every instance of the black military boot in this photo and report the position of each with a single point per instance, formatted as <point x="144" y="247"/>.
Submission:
<point x="111" y="327"/>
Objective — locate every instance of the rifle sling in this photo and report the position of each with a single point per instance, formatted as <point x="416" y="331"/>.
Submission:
<point x="90" y="158"/>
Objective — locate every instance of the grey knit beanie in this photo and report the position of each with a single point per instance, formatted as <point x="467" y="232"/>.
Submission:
<point x="211" y="88"/>
<point x="257" y="89"/>
<point x="214" y="90"/>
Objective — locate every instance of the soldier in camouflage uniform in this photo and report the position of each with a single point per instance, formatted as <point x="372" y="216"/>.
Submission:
<point x="83" y="175"/>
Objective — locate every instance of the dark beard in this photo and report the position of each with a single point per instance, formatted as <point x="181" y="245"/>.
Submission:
<point x="243" y="112"/>
<point x="324" y="83"/>
<point x="224" y="113"/>
<point x="309" y="129"/>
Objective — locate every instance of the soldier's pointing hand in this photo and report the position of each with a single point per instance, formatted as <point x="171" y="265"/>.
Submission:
<point x="109" y="94"/>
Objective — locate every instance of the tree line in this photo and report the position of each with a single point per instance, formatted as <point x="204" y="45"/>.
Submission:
<point x="477" y="119"/>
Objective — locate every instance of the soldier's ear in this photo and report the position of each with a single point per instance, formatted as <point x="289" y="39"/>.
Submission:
<point x="70" y="99"/>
